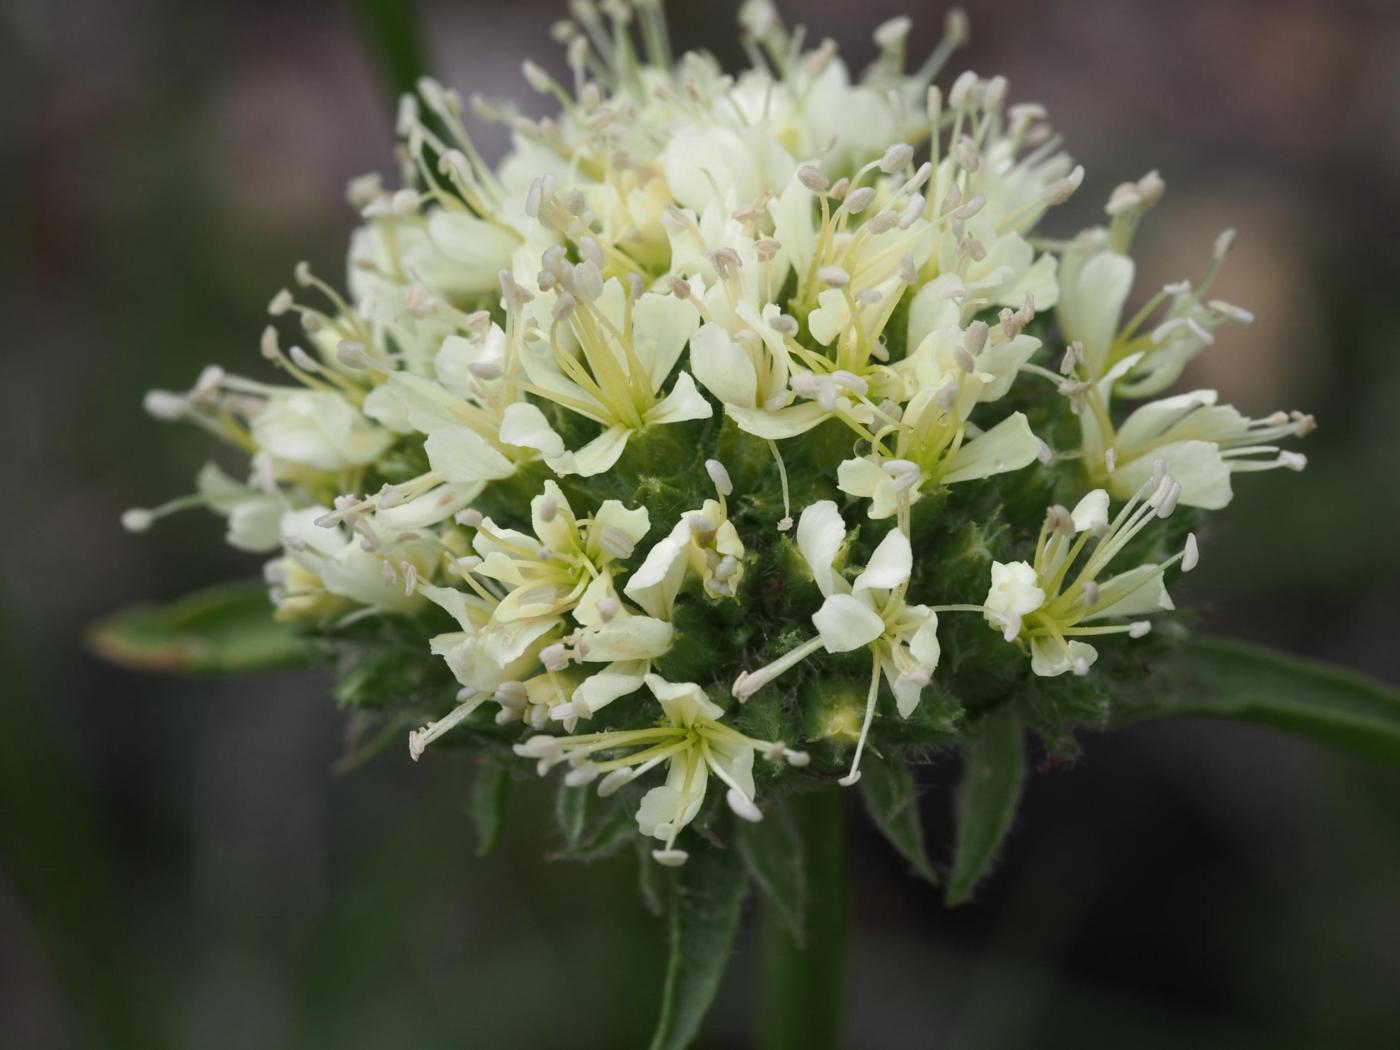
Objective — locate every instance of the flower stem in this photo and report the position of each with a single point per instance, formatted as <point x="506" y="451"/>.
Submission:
<point x="802" y="986"/>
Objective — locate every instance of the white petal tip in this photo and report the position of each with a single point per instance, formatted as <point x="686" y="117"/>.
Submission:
<point x="671" y="858"/>
<point x="743" y="806"/>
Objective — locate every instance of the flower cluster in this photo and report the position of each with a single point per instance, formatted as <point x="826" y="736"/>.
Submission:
<point x="571" y="408"/>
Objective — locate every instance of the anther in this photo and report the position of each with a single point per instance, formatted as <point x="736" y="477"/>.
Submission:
<point x="720" y="476"/>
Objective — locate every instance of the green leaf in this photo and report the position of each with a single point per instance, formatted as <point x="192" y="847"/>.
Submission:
<point x="488" y="803"/>
<point x="773" y="854"/>
<point x="706" y="900"/>
<point x="893" y="803"/>
<point x="991" y="789"/>
<point x="1250" y="683"/>
<point x="222" y="630"/>
<point x="570" y="809"/>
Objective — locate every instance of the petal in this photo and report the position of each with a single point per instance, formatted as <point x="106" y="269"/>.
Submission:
<point x="859" y="477"/>
<point x="453" y="362"/>
<point x="1049" y="658"/>
<point x="434" y="506"/>
<point x="829" y="319"/>
<point x="907" y="692"/>
<point x="220" y="491"/>
<point x="626" y="638"/>
<point x="524" y="426"/>
<point x="777" y="424"/>
<point x="1003" y="364"/>
<point x="682" y="403"/>
<point x="478" y="248"/>
<point x="603" y="687"/>
<point x="255" y="525"/>
<point x="553" y="520"/>
<point x="616" y="529"/>
<point x="723" y="367"/>
<point x="820" y="534"/>
<point x="932" y="308"/>
<point x="1137" y="592"/>
<point x="427" y="406"/>
<point x="845" y="623"/>
<point x="890" y="564"/>
<point x="1196" y="465"/>
<point x="1009" y="445"/>
<point x="596" y="456"/>
<point x="685" y="703"/>
<point x="661" y="326"/>
<point x="657" y="810"/>
<point x="1092" y="294"/>
<point x="1151" y="421"/>
<point x="655" y="584"/>
<point x="461" y="455"/>
<point x="924" y="646"/>
<point x="1091" y="512"/>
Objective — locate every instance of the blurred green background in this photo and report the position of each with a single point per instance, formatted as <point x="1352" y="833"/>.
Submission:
<point x="181" y="866"/>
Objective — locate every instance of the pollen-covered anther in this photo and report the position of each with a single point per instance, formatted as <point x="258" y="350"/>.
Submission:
<point x="896" y="158"/>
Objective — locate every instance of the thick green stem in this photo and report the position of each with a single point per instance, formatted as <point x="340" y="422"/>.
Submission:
<point x="802" y="987"/>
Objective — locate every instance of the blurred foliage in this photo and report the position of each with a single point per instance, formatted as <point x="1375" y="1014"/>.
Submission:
<point x="226" y="629"/>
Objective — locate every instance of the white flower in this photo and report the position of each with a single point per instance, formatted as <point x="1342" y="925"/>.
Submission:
<point x="1200" y="443"/>
<point x="338" y="560"/>
<point x="317" y="429"/>
<point x="626" y="350"/>
<point x="694" y="744"/>
<point x="931" y="446"/>
<point x="254" y="515"/>
<point x="868" y="613"/>
<point x="704" y="542"/>
<point x="1061" y="599"/>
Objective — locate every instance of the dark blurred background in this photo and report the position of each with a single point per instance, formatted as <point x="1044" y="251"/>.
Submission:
<point x="181" y="867"/>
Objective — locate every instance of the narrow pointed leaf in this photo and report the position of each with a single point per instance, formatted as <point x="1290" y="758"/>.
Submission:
<point x="891" y="798"/>
<point x="706" y="899"/>
<point x="488" y="803"/>
<point x="226" y="629"/>
<point x="991" y="790"/>
<point x="1250" y="683"/>
<point x="773" y="854"/>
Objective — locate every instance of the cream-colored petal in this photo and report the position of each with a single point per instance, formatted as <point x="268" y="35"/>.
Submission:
<point x="1009" y="445"/>
<point x="463" y="456"/>
<point x="723" y="367"/>
<point x="820" y="534"/>
<point x="683" y="402"/>
<point x="890" y="564"/>
<point x="845" y="623"/>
